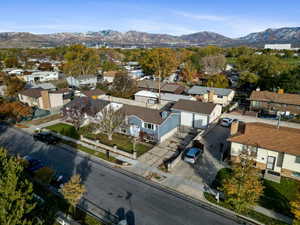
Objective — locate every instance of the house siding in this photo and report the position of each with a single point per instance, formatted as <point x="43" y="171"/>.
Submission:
<point x="168" y="125"/>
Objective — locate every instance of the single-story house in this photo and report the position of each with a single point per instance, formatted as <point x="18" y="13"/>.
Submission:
<point x="222" y="96"/>
<point x="149" y="97"/>
<point x="109" y="76"/>
<point x="41" y="76"/>
<point x="153" y="85"/>
<point x="86" y="80"/>
<point x="197" y="114"/>
<point x="156" y="125"/>
<point x="43" y="99"/>
<point x="273" y="148"/>
<point x="275" y="102"/>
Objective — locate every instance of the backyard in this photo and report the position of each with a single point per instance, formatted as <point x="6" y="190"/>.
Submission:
<point x="122" y="142"/>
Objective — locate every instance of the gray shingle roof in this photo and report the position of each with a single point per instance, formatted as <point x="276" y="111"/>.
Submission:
<point x="201" y="90"/>
<point x="194" y="106"/>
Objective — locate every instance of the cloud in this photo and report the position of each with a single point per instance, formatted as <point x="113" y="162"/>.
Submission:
<point x="200" y="16"/>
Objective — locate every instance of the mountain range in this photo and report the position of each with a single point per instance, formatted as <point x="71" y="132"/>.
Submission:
<point x="116" y="38"/>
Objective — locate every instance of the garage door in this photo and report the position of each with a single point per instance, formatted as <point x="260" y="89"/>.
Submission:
<point x="199" y="121"/>
<point x="186" y="119"/>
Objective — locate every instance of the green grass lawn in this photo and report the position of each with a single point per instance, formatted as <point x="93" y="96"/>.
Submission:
<point x="278" y="195"/>
<point x="64" y="129"/>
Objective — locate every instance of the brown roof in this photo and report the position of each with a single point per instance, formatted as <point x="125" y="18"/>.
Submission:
<point x="282" y="139"/>
<point x="194" y="106"/>
<point x="32" y="92"/>
<point x="146" y="114"/>
<point x="95" y="92"/>
<point x="165" y="87"/>
<point x="268" y="96"/>
<point x="173" y="88"/>
<point x="152" y="84"/>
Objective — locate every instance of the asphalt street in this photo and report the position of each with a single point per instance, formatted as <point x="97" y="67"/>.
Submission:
<point x="110" y="188"/>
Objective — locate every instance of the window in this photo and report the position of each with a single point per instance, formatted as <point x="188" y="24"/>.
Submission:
<point x="297" y="159"/>
<point x="295" y="174"/>
<point x="149" y="126"/>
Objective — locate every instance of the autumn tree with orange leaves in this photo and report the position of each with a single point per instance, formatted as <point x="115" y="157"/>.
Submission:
<point x="295" y="209"/>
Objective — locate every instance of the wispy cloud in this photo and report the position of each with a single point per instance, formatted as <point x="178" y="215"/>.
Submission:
<point x="194" y="16"/>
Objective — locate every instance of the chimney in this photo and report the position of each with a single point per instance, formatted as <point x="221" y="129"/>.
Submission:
<point x="211" y="94"/>
<point x="234" y="128"/>
<point x="45" y="99"/>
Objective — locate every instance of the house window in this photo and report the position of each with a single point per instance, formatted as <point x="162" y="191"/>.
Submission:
<point x="295" y="174"/>
<point x="149" y="126"/>
<point x="297" y="159"/>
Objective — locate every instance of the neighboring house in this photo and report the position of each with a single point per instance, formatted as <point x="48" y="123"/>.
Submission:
<point x="153" y="85"/>
<point x="222" y="96"/>
<point x="275" y="102"/>
<point x="109" y="76"/>
<point x="197" y="114"/>
<point x="156" y="125"/>
<point x="96" y="93"/>
<point x="79" y="81"/>
<point x="41" y="76"/>
<point x="149" y="97"/>
<point x="135" y="74"/>
<point x="273" y="148"/>
<point x="43" y="99"/>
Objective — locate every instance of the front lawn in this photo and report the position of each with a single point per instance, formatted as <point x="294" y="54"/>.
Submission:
<point x="278" y="195"/>
<point x="64" y="129"/>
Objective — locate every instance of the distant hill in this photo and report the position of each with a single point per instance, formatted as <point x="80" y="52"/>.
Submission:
<point x="27" y="40"/>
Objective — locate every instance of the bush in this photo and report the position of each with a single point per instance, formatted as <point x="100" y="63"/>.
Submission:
<point x="44" y="175"/>
<point x="221" y="176"/>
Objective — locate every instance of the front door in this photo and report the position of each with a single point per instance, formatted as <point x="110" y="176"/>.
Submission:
<point x="271" y="162"/>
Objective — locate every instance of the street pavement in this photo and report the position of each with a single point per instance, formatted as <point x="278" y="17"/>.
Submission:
<point x="121" y="193"/>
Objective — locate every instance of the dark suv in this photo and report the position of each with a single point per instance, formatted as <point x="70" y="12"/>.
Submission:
<point x="46" y="138"/>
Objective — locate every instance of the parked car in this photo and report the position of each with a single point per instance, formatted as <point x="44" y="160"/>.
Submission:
<point x="191" y="155"/>
<point x="226" y="122"/>
<point x="46" y="138"/>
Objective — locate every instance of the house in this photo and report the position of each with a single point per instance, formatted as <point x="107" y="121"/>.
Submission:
<point x="272" y="148"/>
<point x="43" y="99"/>
<point x="153" y="85"/>
<point x="41" y="76"/>
<point x="96" y="93"/>
<point x="222" y="96"/>
<point x="79" y="81"/>
<point x="275" y="102"/>
<point x="152" y="124"/>
<point x="197" y="114"/>
<point x="149" y="97"/>
<point x="109" y="76"/>
<point x="46" y="86"/>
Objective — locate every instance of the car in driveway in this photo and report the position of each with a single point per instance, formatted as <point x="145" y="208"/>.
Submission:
<point x="226" y="122"/>
<point x="191" y="155"/>
<point x="46" y="137"/>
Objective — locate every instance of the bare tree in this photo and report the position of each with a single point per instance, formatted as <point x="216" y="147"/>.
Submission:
<point x="109" y="119"/>
<point x="213" y="64"/>
<point x="76" y="114"/>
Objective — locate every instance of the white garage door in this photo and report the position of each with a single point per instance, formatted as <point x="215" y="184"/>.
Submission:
<point x="186" y="119"/>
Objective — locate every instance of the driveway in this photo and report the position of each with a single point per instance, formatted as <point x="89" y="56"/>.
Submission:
<point x="206" y="168"/>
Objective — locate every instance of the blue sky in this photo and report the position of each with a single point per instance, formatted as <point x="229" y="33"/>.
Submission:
<point x="232" y="18"/>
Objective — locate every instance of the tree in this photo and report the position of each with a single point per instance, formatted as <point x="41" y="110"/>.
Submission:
<point x="213" y="64"/>
<point x="76" y="114"/>
<point x="244" y="188"/>
<point x="189" y="72"/>
<point x="13" y="85"/>
<point x="81" y="60"/>
<point x="218" y="81"/>
<point x="15" y="192"/>
<point x="16" y="110"/>
<point x="11" y="62"/>
<point x="295" y="209"/>
<point x="248" y="78"/>
<point x="123" y="85"/>
<point x="161" y="62"/>
<point x="73" y="190"/>
<point x="109" y="119"/>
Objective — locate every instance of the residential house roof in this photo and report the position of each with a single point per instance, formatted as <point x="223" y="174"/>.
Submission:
<point x="194" y="106"/>
<point x="201" y="90"/>
<point x="148" y="94"/>
<point x="95" y="92"/>
<point x="148" y="84"/>
<point x="268" y="96"/>
<point x="175" y="97"/>
<point x="147" y="115"/>
<point x="32" y="92"/>
<point x="89" y="105"/>
<point x="165" y="87"/>
<point x="282" y="139"/>
<point x="111" y="73"/>
<point x="173" y="88"/>
<point x="46" y="86"/>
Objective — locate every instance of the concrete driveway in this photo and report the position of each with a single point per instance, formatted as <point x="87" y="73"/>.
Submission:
<point x="206" y="168"/>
